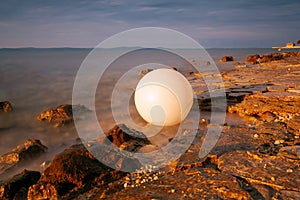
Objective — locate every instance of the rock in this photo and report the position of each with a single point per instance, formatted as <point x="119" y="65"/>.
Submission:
<point x="29" y="150"/>
<point x="268" y="148"/>
<point x="74" y="171"/>
<point x="271" y="57"/>
<point x="261" y="169"/>
<point x="226" y="59"/>
<point x="253" y="59"/>
<point x="5" y="106"/>
<point x="292" y="152"/>
<point x="279" y="104"/>
<point x="289" y="195"/>
<point x="240" y="66"/>
<point x="201" y="183"/>
<point x="10" y="187"/>
<point x="61" y="115"/>
<point x="126" y="138"/>
<point x="21" y="194"/>
<point x="207" y="63"/>
<point x="144" y="72"/>
<point x="290" y="44"/>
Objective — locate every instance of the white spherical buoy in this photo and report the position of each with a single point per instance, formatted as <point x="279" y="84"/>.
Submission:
<point x="163" y="97"/>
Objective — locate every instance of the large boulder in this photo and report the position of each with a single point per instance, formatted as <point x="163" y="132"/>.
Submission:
<point x="76" y="170"/>
<point x="18" y="184"/>
<point x="29" y="150"/>
<point x="5" y="106"/>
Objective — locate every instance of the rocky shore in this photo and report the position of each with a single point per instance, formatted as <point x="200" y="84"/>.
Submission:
<point x="256" y="157"/>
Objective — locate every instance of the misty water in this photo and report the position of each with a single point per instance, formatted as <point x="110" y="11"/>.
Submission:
<point x="36" y="79"/>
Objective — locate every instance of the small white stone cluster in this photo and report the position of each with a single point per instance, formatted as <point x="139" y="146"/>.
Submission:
<point x="146" y="174"/>
<point x="284" y="118"/>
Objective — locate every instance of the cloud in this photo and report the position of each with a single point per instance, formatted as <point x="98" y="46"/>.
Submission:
<point x="67" y="22"/>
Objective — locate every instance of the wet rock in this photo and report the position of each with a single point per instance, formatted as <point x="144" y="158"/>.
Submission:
<point x="253" y="59"/>
<point x="262" y="169"/>
<point x="74" y="171"/>
<point x="61" y="115"/>
<point x="271" y="57"/>
<point x="226" y="59"/>
<point x="29" y="150"/>
<point x="126" y="138"/>
<point x="5" y="106"/>
<point x="18" y="184"/>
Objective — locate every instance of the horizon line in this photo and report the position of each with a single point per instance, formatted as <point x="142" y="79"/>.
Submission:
<point x="129" y="47"/>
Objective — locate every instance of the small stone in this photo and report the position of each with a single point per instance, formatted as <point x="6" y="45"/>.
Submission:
<point x="277" y="142"/>
<point x="272" y="178"/>
<point x="289" y="170"/>
<point x="5" y="106"/>
<point x="255" y="135"/>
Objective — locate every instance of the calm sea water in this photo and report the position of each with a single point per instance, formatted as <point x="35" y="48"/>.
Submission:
<point x="36" y="79"/>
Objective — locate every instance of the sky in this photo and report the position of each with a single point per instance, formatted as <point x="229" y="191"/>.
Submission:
<point x="213" y="23"/>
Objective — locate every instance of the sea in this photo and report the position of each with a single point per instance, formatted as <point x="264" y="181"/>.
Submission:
<point x="34" y="79"/>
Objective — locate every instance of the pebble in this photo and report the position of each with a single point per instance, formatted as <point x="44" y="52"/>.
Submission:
<point x="289" y="170"/>
<point x="277" y="142"/>
<point x="255" y="135"/>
